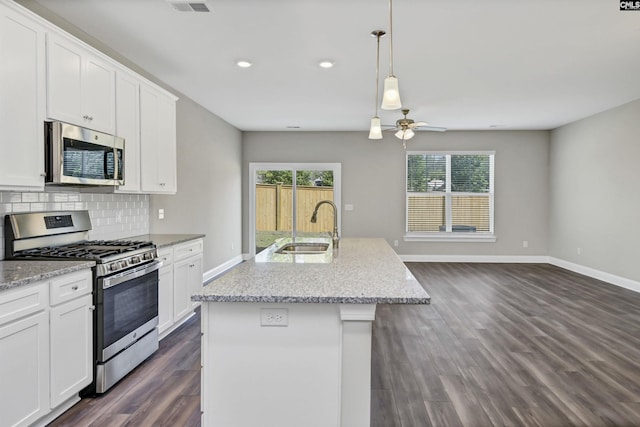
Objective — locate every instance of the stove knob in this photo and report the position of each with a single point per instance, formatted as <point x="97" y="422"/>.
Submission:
<point x="113" y="266"/>
<point x="135" y="260"/>
<point x="123" y="263"/>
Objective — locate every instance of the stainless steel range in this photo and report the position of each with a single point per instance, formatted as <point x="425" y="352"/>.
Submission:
<point x="125" y="289"/>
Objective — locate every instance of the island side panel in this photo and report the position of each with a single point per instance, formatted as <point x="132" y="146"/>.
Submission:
<point x="287" y="376"/>
<point x="356" y="364"/>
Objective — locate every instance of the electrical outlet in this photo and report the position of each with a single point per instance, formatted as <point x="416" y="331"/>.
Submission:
<point x="274" y="317"/>
<point x="160" y="213"/>
<point x="525" y="243"/>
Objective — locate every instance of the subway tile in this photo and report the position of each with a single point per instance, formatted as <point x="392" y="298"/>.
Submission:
<point x="29" y="197"/>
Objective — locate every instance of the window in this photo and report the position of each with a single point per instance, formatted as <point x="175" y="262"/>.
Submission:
<point x="282" y="197"/>
<point x="449" y="196"/>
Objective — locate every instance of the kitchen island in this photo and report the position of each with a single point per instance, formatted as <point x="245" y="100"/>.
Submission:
<point x="287" y="337"/>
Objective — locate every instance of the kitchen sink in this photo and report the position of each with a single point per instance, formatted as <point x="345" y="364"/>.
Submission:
<point x="303" y="248"/>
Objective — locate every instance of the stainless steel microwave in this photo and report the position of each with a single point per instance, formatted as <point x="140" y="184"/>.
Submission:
<point x="80" y="156"/>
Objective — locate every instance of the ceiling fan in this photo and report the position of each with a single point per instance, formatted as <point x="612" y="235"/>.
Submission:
<point x="405" y="127"/>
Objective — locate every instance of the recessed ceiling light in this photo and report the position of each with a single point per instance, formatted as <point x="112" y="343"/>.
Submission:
<point x="293" y="127"/>
<point x="326" y="64"/>
<point x="243" y="63"/>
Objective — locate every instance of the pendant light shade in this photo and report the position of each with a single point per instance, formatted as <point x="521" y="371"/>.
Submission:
<point x="375" y="131"/>
<point x="391" y="94"/>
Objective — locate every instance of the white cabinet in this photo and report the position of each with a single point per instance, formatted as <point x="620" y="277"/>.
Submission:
<point x="165" y="290"/>
<point x="128" y="127"/>
<point x="157" y="140"/>
<point x="22" y="105"/>
<point x="80" y="85"/>
<point x="46" y="347"/>
<point x="187" y="272"/>
<point x="24" y="354"/>
<point x="180" y="277"/>
<point x="71" y="336"/>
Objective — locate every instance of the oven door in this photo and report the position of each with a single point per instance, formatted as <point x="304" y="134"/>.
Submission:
<point x="126" y="308"/>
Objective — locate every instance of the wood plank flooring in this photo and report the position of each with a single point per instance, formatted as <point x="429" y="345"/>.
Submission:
<point x="500" y="345"/>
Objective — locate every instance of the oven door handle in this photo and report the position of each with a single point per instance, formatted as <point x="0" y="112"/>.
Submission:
<point x="125" y="276"/>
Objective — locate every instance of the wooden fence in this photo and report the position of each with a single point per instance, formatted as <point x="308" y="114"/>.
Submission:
<point x="427" y="213"/>
<point x="274" y="210"/>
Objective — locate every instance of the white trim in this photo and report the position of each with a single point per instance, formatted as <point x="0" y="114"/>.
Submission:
<point x="450" y="237"/>
<point x="505" y="259"/>
<point x="623" y="282"/>
<point x="208" y="275"/>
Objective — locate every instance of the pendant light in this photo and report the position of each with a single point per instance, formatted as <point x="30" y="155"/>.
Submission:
<point x="391" y="93"/>
<point x="375" y="131"/>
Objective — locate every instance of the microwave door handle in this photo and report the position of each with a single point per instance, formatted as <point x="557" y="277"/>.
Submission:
<point x="116" y="164"/>
<point x="105" y="159"/>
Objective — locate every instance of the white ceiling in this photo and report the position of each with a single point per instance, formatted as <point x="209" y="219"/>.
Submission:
<point x="462" y="64"/>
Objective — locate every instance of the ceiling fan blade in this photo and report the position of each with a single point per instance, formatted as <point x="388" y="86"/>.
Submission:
<point x="420" y="124"/>
<point x="433" y="128"/>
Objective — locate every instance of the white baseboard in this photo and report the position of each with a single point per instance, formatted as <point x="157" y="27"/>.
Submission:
<point x="476" y="258"/>
<point x="208" y="275"/>
<point x="623" y="282"/>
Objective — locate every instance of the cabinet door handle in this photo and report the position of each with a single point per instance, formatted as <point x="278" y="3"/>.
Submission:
<point x="43" y="175"/>
<point x="192" y="265"/>
<point x="93" y="307"/>
<point x="74" y="288"/>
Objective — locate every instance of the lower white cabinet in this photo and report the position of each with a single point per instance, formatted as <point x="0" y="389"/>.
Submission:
<point x="165" y="290"/>
<point x="180" y="277"/>
<point x="24" y="369"/>
<point x="45" y="347"/>
<point x="71" y="355"/>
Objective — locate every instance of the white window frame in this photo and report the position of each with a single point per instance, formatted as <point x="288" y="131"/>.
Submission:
<point x="294" y="167"/>
<point x="449" y="236"/>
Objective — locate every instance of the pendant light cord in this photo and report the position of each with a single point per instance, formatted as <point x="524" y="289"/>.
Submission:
<point x="377" y="71"/>
<point x="390" y="37"/>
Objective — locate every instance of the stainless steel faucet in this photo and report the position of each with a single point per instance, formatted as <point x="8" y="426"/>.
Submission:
<point x="314" y="219"/>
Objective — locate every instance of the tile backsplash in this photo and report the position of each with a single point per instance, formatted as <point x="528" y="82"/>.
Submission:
<point x="113" y="216"/>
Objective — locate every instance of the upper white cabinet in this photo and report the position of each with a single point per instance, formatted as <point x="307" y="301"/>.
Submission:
<point x="128" y="127"/>
<point x="47" y="74"/>
<point x="80" y="85"/>
<point x="158" y="140"/>
<point x="22" y="105"/>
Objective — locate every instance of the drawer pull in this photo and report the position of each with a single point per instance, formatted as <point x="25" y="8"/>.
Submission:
<point x="93" y="307"/>
<point x="74" y="288"/>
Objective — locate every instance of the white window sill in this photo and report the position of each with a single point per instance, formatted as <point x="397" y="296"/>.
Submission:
<point x="450" y="237"/>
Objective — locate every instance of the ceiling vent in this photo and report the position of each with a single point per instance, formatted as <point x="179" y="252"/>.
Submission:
<point x="188" y="6"/>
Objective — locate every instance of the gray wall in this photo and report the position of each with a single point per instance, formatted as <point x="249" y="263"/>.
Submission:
<point x="594" y="197"/>
<point x="209" y="185"/>
<point x="373" y="179"/>
<point x="209" y="163"/>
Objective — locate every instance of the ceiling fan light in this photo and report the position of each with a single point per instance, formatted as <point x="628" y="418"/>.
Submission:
<point x="399" y="134"/>
<point x="375" y="131"/>
<point x="391" y="94"/>
<point x="408" y="134"/>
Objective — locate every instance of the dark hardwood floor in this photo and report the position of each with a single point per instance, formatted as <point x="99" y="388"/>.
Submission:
<point x="500" y="345"/>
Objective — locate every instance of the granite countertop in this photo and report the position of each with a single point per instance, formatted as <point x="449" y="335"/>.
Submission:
<point x="162" y="240"/>
<point x="20" y="273"/>
<point x="361" y="271"/>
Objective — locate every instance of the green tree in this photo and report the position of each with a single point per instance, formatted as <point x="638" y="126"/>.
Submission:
<point x="284" y="177"/>
<point x="470" y="173"/>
